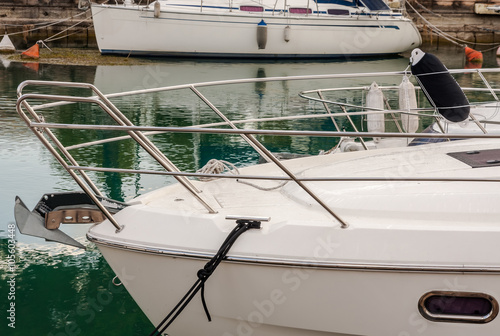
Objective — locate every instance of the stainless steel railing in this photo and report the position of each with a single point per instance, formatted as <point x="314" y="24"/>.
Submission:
<point x="43" y="130"/>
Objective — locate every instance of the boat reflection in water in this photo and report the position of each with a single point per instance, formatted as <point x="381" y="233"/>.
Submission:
<point x="243" y="101"/>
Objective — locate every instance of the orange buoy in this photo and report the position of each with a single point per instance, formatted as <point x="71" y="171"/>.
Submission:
<point x="33" y="52"/>
<point x="35" y="66"/>
<point x="473" y="55"/>
<point x="473" y="65"/>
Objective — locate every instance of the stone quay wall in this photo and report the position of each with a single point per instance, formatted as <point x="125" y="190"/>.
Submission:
<point x="464" y="21"/>
<point x="58" y="22"/>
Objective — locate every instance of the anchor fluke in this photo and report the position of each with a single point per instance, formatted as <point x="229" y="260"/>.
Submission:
<point x="32" y="224"/>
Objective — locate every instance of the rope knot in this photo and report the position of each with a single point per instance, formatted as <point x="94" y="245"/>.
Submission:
<point x="203" y="274"/>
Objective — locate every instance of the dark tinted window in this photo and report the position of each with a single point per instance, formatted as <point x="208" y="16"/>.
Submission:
<point x="375" y="4"/>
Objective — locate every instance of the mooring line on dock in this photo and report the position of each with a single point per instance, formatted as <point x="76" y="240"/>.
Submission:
<point x="448" y="37"/>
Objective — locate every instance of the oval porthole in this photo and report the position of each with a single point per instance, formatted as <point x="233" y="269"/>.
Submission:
<point x="464" y="307"/>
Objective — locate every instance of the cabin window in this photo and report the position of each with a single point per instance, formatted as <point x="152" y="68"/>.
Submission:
<point x="297" y="10"/>
<point x="338" y="12"/>
<point x="465" y="307"/>
<point x="252" y="8"/>
<point x="375" y="5"/>
<point x="349" y="3"/>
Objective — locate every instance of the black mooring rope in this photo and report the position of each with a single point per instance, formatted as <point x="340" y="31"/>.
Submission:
<point x="203" y="275"/>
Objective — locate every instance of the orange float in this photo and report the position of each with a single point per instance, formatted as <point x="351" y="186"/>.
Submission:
<point x="33" y="52"/>
<point x="473" y="55"/>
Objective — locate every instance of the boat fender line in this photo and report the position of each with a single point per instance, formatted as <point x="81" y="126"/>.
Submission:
<point x="439" y="86"/>
<point x="262" y="34"/>
<point x="242" y="225"/>
<point x="286" y="35"/>
<point x="157" y="8"/>
<point x="375" y="100"/>
<point x="408" y="103"/>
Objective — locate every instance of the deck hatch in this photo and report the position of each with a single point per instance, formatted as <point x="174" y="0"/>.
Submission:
<point x="478" y="159"/>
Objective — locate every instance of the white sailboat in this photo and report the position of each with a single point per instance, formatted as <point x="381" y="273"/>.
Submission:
<point x="246" y="29"/>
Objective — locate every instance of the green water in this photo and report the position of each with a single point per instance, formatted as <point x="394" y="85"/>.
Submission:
<point x="63" y="291"/>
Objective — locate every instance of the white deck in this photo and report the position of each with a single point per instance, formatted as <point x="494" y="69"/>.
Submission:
<point x="403" y="217"/>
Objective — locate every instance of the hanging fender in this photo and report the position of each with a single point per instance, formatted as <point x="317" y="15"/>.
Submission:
<point x="439" y="86"/>
<point x="286" y="35"/>
<point x="157" y="8"/>
<point x="408" y="103"/>
<point x="262" y="34"/>
<point x="375" y="100"/>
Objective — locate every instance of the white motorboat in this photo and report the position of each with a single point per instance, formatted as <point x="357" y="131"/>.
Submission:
<point x="395" y="241"/>
<point x="248" y="29"/>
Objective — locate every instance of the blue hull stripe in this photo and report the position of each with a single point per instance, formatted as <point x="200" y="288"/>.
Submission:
<point x="280" y="24"/>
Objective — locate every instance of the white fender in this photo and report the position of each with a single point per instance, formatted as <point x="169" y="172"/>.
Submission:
<point x="287" y="34"/>
<point x="157" y="8"/>
<point x="408" y="102"/>
<point x="375" y="99"/>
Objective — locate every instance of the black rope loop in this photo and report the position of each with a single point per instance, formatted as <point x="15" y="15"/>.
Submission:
<point x="203" y="274"/>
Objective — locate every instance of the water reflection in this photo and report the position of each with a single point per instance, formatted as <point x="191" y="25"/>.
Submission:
<point x="182" y="108"/>
<point x="68" y="292"/>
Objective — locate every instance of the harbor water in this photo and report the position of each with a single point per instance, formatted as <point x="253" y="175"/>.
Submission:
<point x="47" y="289"/>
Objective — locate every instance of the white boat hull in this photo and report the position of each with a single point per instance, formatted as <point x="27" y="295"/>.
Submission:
<point x="128" y="30"/>
<point x="302" y="273"/>
<point x="275" y="300"/>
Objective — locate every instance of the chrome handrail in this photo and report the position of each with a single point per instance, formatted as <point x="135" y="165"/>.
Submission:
<point x="42" y="130"/>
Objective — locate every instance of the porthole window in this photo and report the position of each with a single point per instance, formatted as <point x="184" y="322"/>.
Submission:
<point x="338" y="12"/>
<point x="252" y="8"/>
<point x="300" y="10"/>
<point x="465" y="307"/>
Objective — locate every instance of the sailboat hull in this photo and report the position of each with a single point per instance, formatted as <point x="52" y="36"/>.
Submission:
<point x="205" y="33"/>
